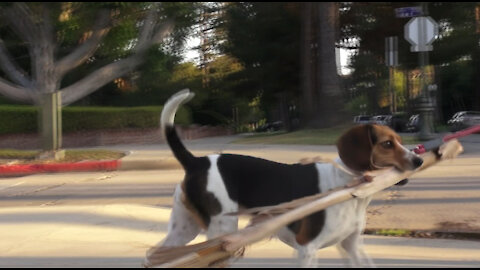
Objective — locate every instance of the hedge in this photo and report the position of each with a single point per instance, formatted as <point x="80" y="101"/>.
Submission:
<point x="24" y="119"/>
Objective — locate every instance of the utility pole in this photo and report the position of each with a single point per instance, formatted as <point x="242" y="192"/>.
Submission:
<point x="421" y="32"/>
<point x="425" y="105"/>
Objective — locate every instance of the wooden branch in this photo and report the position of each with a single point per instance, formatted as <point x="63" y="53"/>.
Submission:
<point x="227" y="246"/>
<point x="87" y="48"/>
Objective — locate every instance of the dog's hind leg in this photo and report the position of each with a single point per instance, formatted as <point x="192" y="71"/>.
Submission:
<point x="352" y="248"/>
<point x="182" y="226"/>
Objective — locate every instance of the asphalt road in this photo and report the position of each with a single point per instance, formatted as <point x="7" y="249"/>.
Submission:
<point x="109" y="219"/>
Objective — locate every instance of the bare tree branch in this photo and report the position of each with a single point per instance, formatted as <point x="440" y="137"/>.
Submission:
<point x="148" y="36"/>
<point x="99" y="78"/>
<point x="117" y="69"/>
<point x="46" y="29"/>
<point x="148" y="27"/>
<point x="11" y="69"/>
<point x="42" y="45"/>
<point x="20" y="17"/>
<point x="17" y="93"/>
<point x="164" y="30"/>
<point x="88" y="48"/>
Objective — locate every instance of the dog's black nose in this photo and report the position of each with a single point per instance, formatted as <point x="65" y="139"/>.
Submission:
<point x="417" y="162"/>
<point x="402" y="183"/>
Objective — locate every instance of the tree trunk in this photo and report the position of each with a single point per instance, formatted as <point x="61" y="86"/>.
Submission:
<point x="330" y="97"/>
<point x="51" y="121"/>
<point x="308" y="61"/>
<point x="47" y="83"/>
<point x="322" y="99"/>
<point x="284" y="111"/>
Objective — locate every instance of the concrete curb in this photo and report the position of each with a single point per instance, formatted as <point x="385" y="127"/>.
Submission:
<point x="123" y="164"/>
<point x="23" y="169"/>
<point x="148" y="164"/>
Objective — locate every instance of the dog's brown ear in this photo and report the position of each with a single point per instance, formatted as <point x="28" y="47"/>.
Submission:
<point x="355" y="147"/>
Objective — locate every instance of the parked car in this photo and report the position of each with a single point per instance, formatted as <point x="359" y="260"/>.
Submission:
<point x="399" y="121"/>
<point x="385" y="120"/>
<point x="270" y="126"/>
<point x="464" y="119"/>
<point x="413" y="124"/>
<point x="361" y="119"/>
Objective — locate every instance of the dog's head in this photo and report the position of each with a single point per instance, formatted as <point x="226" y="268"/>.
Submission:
<point x="370" y="147"/>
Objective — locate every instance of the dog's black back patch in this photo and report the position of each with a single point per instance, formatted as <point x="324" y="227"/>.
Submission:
<point x="256" y="182"/>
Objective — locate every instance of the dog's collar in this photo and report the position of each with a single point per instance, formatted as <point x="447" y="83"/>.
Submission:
<point x="339" y="164"/>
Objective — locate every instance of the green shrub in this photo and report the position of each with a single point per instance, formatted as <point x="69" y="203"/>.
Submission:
<point x="23" y="119"/>
<point x="18" y="119"/>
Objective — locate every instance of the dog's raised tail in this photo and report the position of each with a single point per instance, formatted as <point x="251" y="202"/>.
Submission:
<point x="168" y="128"/>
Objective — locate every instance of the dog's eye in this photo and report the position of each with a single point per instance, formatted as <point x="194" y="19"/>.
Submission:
<point x="387" y="144"/>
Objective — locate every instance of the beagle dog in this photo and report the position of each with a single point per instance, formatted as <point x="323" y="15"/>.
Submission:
<point x="218" y="184"/>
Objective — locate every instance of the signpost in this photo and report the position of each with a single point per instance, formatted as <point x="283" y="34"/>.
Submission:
<point x="391" y="60"/>
<point x="391" y="51"/>
<point x="421" y="32"/>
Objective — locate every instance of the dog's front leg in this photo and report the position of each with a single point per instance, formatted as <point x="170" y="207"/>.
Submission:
<point x="307" y="256"/>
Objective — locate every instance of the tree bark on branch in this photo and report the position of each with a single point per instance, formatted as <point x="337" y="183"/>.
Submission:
<point x="88" y="48"/>
<point x="114" y="70"/>
<point x="11" y="69"/>
<point x="16" y="92"/>
<point x="99" y="78"/>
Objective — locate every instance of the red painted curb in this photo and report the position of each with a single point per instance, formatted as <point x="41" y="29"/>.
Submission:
<point x="107" y="165"/>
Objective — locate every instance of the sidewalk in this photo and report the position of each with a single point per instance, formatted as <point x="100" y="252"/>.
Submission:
<point x="119" y="235"/>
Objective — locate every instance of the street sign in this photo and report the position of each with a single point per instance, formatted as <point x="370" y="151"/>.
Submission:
<point x="421" y="32"/>
<point x="391" y="51"/>
<point x="407" y="12"/>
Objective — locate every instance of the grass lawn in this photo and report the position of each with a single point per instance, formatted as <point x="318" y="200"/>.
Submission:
<point x="325" y="136"/>
<point x="30" y="156"/>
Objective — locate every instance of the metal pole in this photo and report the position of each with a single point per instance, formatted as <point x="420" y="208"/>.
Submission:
<point x="392" y="96"/>
<point x="425" y="106"/>
<point x="391" y="60"/>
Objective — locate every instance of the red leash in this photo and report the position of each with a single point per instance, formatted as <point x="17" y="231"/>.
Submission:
<point x="422" y="148"/>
